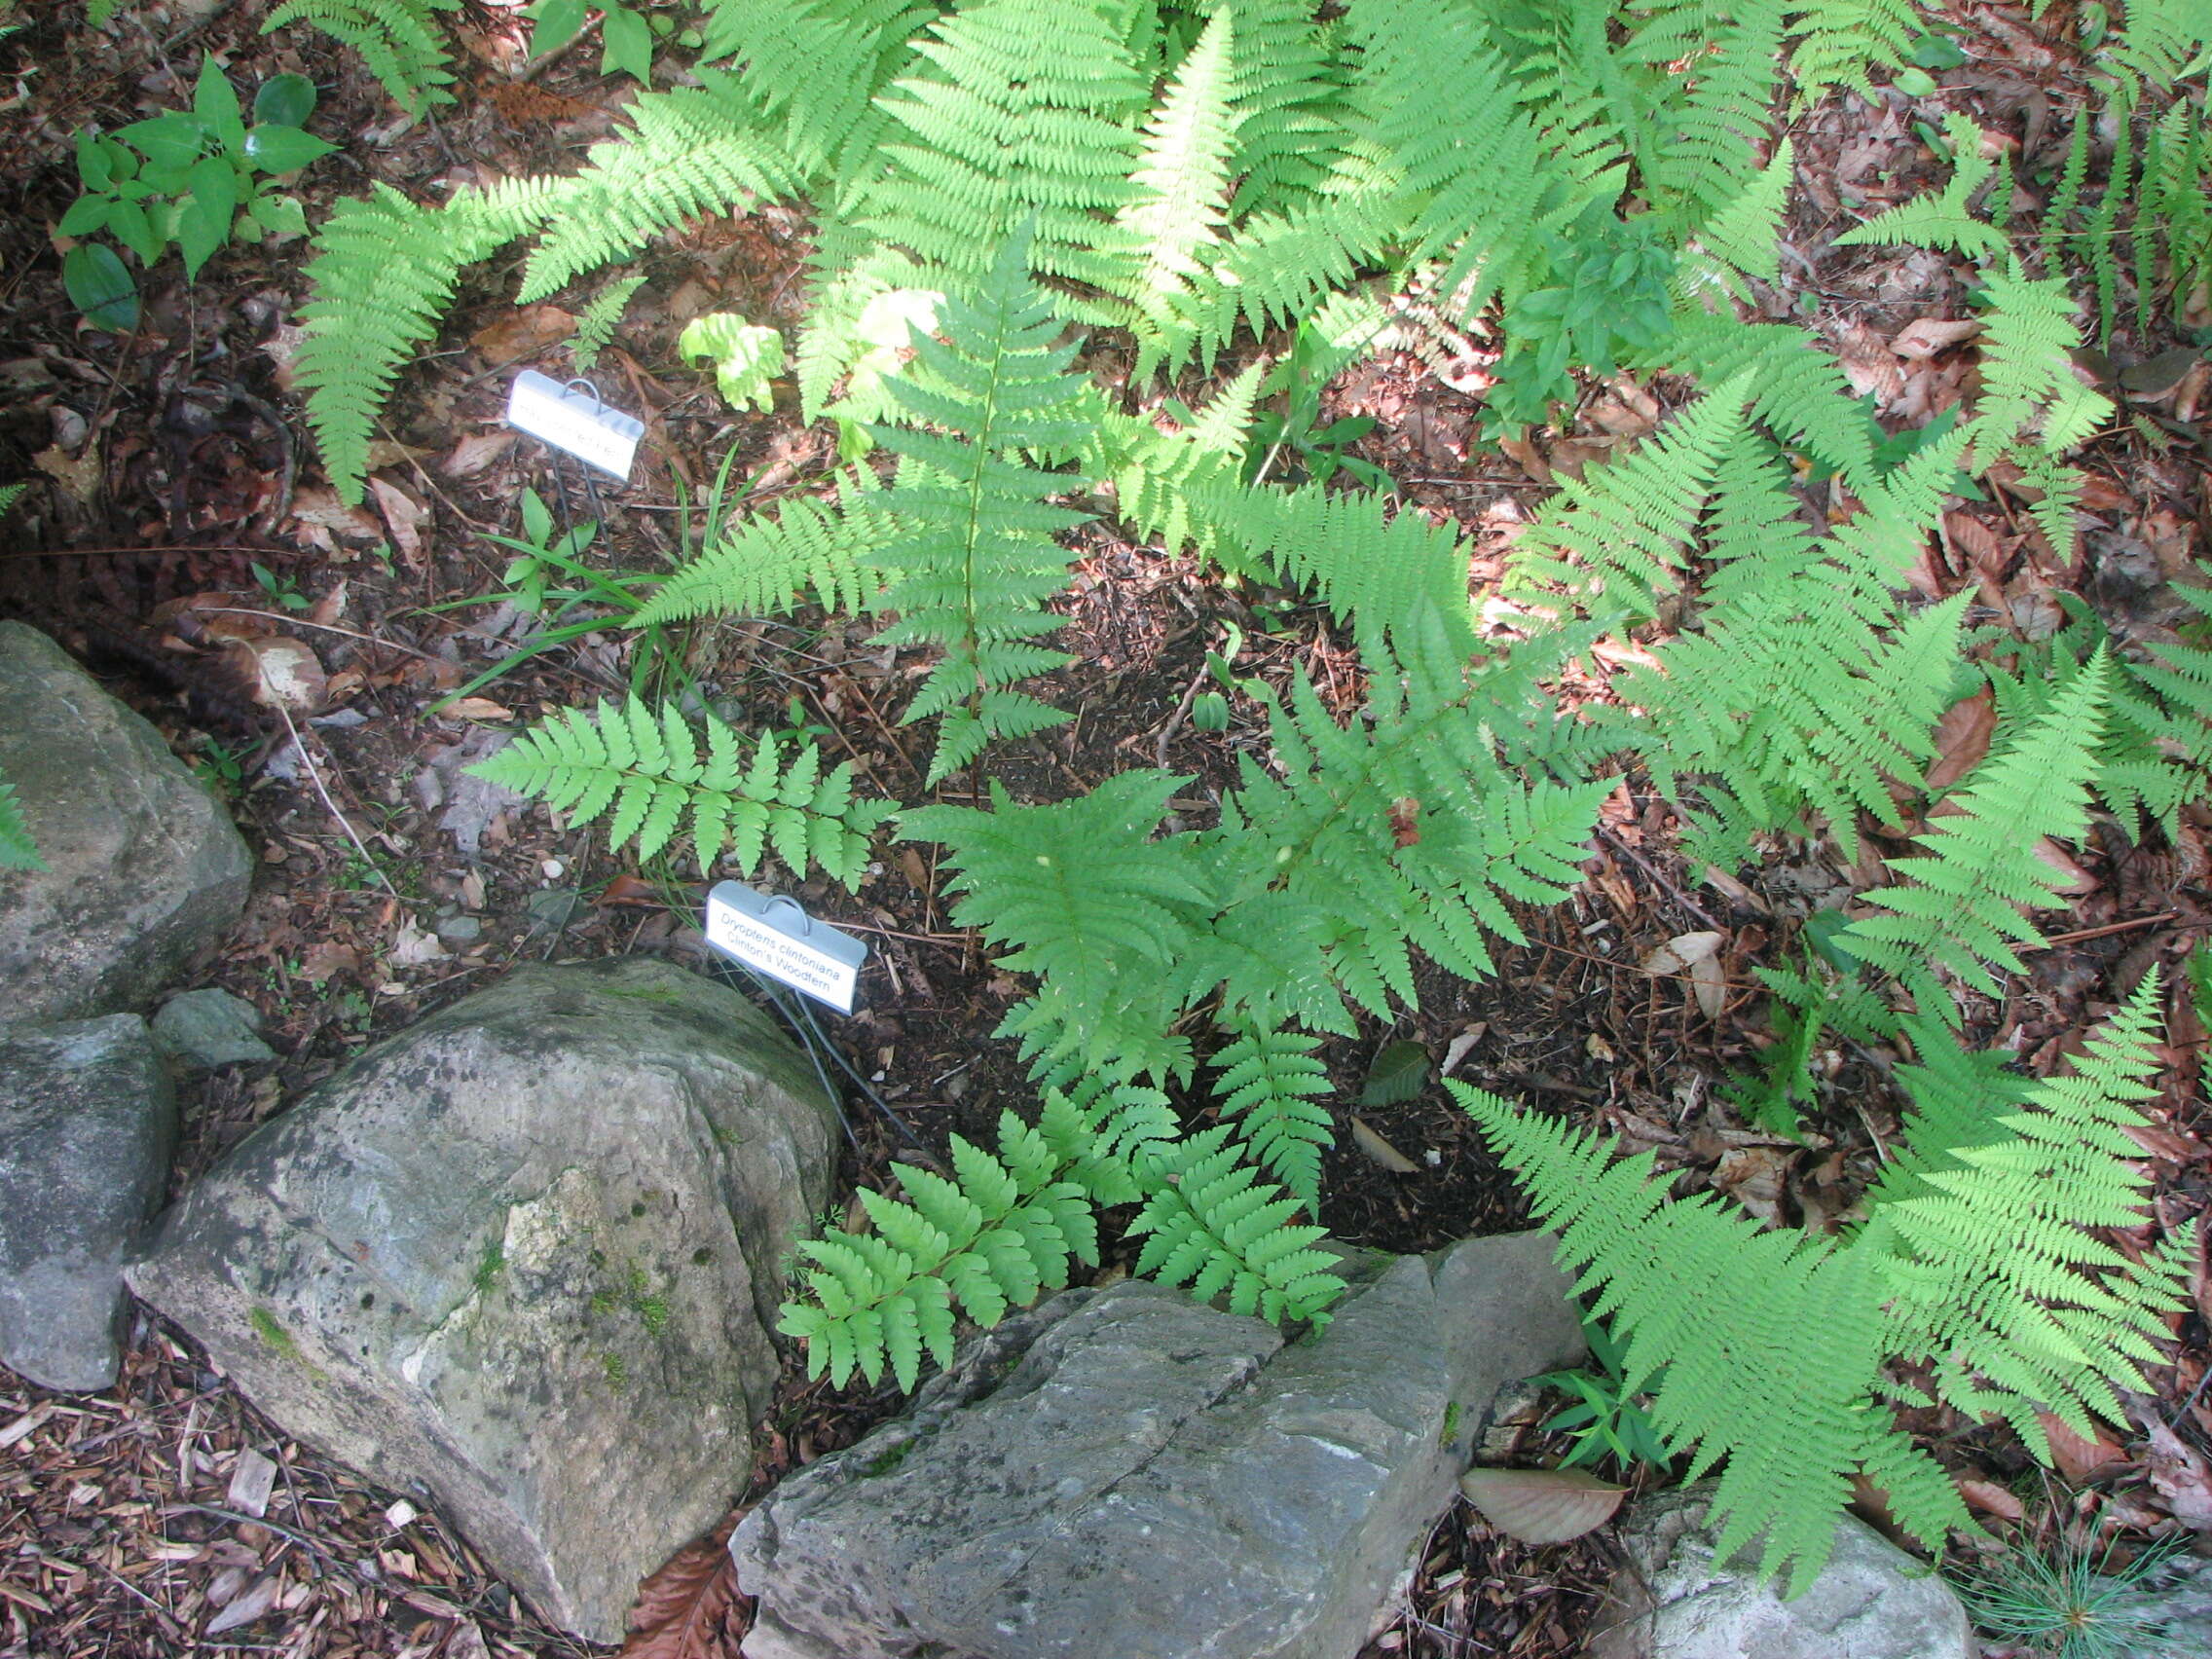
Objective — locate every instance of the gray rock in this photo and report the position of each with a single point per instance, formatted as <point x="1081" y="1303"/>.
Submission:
<point x="523" y="1254"/>
<point x="2176" y="1602"/>
<point x="86" y="1123"/>
<point x="208" y="1028"/>
<point x="1124" y="1474"/>
<point x="1674" y="1600"/>
<point x="144" y="868"/>
<point x="459" y="931"/>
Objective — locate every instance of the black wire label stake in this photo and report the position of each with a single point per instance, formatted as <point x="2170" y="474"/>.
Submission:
<point x="574" y="418"/>
<point x="774" y="935"/>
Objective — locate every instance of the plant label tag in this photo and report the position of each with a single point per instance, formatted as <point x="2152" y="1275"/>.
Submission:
<point x="771" y="933"/>
<point x="572" y="418"/>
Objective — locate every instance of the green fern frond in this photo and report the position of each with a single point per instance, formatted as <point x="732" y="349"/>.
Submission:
<point x="383" y="272"/>
<point x="995" y="1235"/>
<point x="765" y="565"/>
<point x="398" y="40"/>
<point x="974" y="547"/>
<point x="1835" y="42"/>
<point x="1619" y="534"/>
<point x="1994" y="1277"/>
<point x="1182" y="188"/>
<point x="1711" y="134"/>
<point x="1942" y="219"/>
<point x="2030" y="393"/>
<point x="814" y="65"/>
<point x="1958" y="906"/>
<point x="1212" y="1223"/>
<point x="17" y="851"/>
<point x="684" y="154"/>
<point x="1759" y="1347"/>
<point x="646" y="768"/>
<point x="597" y="322"/>
<point x="1270" y="1082"/>
<point x="1798" y="390"/>
<point x="1743" y="234"/>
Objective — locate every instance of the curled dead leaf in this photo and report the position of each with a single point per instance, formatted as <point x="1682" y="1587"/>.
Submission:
<point x="1709" y="983"/>
<point x="1991" y="1500"/>
<point x="690" y="1609"/>
<point x="1925" y="338"/>
<point x="1680" y="951"/>
<point x="1381" y="1151"/>
<point x="1541" y="1506"/>
<point x="283" y="671"/>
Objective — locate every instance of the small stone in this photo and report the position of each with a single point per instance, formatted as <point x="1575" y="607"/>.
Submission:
<point x="252" y="1480"/>
<point x="143" y="870"/>
<point x="1674" y="1600"/>
<point x="552" y="869"/>
<point x="208" y="1028"/>
<point x="86" y="1120"/>
<point x="454" y="932"/>
<point x="400" y="1514"/>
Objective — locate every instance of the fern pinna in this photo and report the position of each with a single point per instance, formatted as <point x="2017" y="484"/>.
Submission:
<point x="648" y="771"/>
<point x="1767" y="1348"/>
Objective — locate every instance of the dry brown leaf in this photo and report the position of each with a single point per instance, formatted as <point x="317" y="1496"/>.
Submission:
<point x="2178" y="1472"/>
<point x="79" y="476"/>
<point x="402" y="514"/>
<point x="1381" y="1151"/>
<point x="2081" y="1461"/>
<point x="686" y="1610"/>
<point x="1991" y="1500"/>
<point x="2072" y="880"/>
<point x="256" y="1601"/>
<point x="283" y="671"/>
<point x="326" y="959"/>
<point x="1753" y="1177"/>
<point x="1541" y="1506"/>
<point x="1930" y="335"/>
<point x="524" y="333"/>
<point x="479" y="709"/>
<point x="1455" y="1050"/>
<point x="476" y="452"/>
<point x="1962" y="739"/>
<point x="1680" y="951"/>
<point x="1710" y="985"/>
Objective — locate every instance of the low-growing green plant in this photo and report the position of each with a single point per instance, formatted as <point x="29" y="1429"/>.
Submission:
<point x="1607" y="1415"/>
<point x="195" y="180"/>
<point x="18" y="850"/>
<point x="2068" y="1603"/>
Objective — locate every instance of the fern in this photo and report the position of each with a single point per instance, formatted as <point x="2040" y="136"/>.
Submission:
<point x="814" y="65"/>
<point x="647" y="770"/>
<point x="398" y="40"/>
<point x="1942" y="219"/>
<point x="1835" y="42"/>
<point x="1270" y="1082"/>
<point x="765" y="564"/>
<point x="1957" y="907"/>
<point x="973" y="550"/>
<point x="383" y="269"/>
<point x="1994" y="1281"/>
<point x="684" y="154"/>
<point x="17" y="851"/>
<point x="1760" y="1347"/>
<point x="597" y="322"/>
<point x="995" y="1235"/>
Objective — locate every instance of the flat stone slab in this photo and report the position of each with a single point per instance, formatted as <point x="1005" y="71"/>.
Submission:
<point x="1124" y="1474"/>
<point x="200" y="1030"/>
<point x="87" y="1123"/>
<point x="524" y="1254"/>
<point x="1674" y="1600"/>
<point x="144" y="868"/>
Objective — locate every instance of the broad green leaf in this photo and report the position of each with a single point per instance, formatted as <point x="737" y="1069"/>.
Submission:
<point x="87" y="214"/>
<point x="198" y="233"/>
<point x="216" y="103"/>
<point x="128" y="223"/>
<point x="285" y="100"/>
<point x="94" y="169"/>
<point x="559" y="22"/>
<point x="1399" y="1073"/>
<point x="626" y="43"/>
<point x="216" y="188"/>
<point x="281" y="215"/>
<point x="283" y="149"/>
<point x="167" y="140"/>
<point x="100" y="287"/>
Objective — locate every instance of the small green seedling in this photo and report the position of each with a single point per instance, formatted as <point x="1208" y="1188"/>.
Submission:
<point x="626" y="33"/>
<point x="194" y="179"/>
<point x="1607" y="1417"/>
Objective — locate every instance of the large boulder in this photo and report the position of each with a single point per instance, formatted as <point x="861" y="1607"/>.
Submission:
<point x="524" y="1254"/>
<point x="143" y="867"/>
<point x="87" y="1123"/>
<point x="1123" y="1474"/>
<point x="1673" y="1599"/>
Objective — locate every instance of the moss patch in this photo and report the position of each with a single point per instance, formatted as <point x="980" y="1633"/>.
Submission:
<point x="266" y="1327"/>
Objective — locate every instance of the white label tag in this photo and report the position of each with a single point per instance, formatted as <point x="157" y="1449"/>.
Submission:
<point x="783" y="941"/>
<point x="575" y="421"/>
